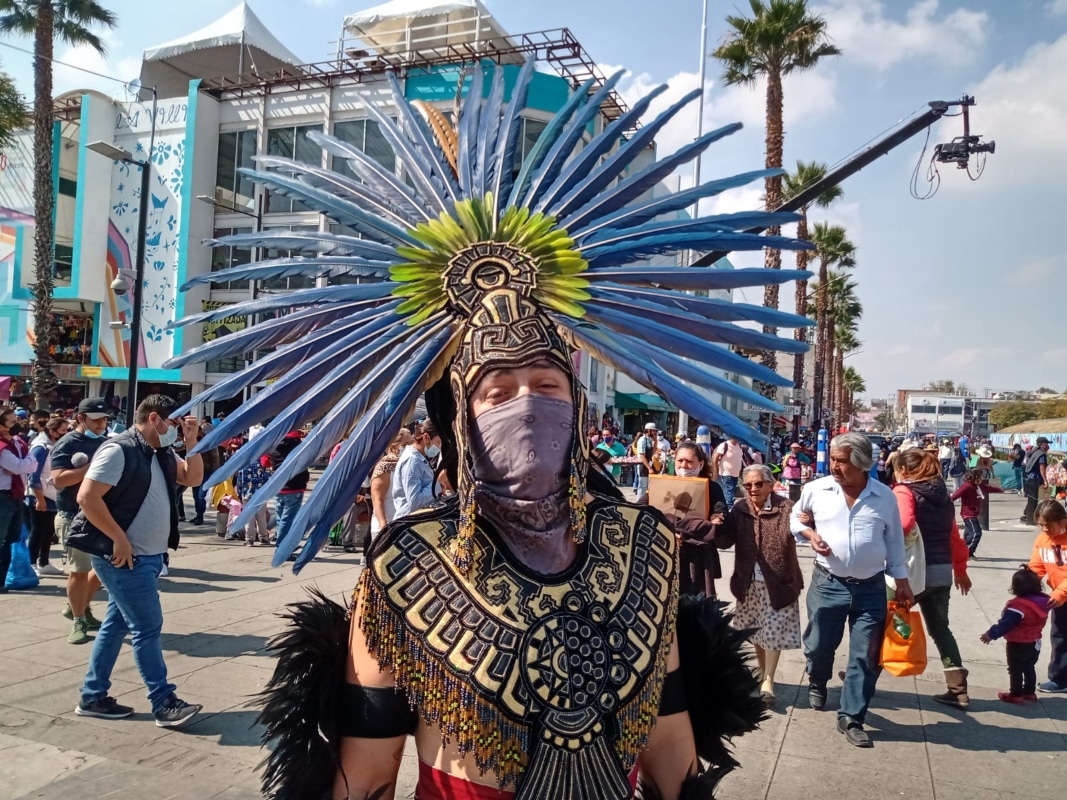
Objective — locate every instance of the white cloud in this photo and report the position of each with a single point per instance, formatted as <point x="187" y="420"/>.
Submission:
<point x="865" y="34"/>
<point x="1023" y="106"/>
<point x="1057" y="7"/>
<point x="84" y="68"/>
<point x="964" y="357"/>
<point x="1036" y="272"/>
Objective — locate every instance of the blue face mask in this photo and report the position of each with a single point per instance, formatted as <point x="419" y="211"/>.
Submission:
<point x="168" y="438"/>
<point x="90" y="435"/>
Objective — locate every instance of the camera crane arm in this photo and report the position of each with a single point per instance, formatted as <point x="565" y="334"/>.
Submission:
<point x="956" y="152"/>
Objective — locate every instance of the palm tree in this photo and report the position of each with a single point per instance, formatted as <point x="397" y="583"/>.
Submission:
<point x="854" y="385"/>
<point x="846" y="343"/>
<point x="844" y="313"/>
<point x="833" y="249"/>
<point x="14" y="115"/>
<point x="807" y="174"/>
<point x="780" y="38"/>
<point x="70" y="21"/>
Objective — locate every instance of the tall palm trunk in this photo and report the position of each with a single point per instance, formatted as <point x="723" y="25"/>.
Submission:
<point x="44" y="380"/>
<point x="839" y="388"/>
<point x="823" y="345"/>
<point x="800" y="298"/>
<point x="831" y="377"/>
<point x="772" y="259"/>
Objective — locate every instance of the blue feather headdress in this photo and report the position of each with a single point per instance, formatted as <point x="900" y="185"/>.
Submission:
<point x="472" y="236"/>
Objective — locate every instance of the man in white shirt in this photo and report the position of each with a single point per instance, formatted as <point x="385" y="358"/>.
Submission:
<point x="727" y="462"/>
<point x="853" y="525"/>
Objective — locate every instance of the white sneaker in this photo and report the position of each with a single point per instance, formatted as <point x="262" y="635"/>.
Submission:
<point x="36" y="570"/>
<point x="48" y="569"/>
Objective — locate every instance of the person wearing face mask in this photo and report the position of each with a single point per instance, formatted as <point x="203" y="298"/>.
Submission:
<point x="16" y="467"/>
<point x="128" y="497"/>
<point x="615" y="449"/>
<point x="70" y="461"/>
<point x="381" y="483"/>
<point x="42" y="505"/>
<point x="413" y="477"/>
<point x="291" y="496"/>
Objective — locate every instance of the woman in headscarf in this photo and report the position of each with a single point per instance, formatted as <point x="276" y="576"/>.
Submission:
<point x="767" y="579"/>
<point x="924" y="501"/>
<point x="381" y="480"/>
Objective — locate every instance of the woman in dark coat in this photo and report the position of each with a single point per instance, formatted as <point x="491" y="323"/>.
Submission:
<point x="767" y="580"/>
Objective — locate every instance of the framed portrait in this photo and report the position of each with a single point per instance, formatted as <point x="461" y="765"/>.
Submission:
<point x="683" y="497"/>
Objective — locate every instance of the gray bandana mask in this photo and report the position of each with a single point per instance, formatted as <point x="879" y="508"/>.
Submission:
<point x="520" y="451"/>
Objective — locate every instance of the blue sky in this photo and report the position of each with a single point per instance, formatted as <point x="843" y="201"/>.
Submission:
<point x="953" y="286"/>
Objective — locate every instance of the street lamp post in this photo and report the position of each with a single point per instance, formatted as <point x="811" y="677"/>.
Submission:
<point x="137" y="290"/>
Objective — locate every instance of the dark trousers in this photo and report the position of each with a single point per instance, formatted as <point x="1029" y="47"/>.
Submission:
<point x="1022" y="660"/>
<point x="180" y="500"/>
<point x="972" y="533"/>
<point x="831" y="603"/>
<point x="1057" y="664"/>
<point x="42" y="530"/>
<point x="933" y="603"/>
<point x="1030" y="489"/>
<point x="200" y="495"/>
<point x="11" y="511"/>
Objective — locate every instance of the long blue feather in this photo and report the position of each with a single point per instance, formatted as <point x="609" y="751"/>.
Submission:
<point x="488" y="131"/>
<point x="718" y="223"/>
<point x="305" y="393"/>
<point x="429" y="154"/>
<point x="706" y="329"/>
<point x="320" y="267"/>
<point x="651" y="245"/>
<point x="309" y="242"/>
<point x="300" y="297"/>
<point x="416" y="163"/>
<point x="687" y="278"/>
<point x="508" y="138"/>
<point x="683" y="344"/>
<point x="599" y="196"/>
<point x="713" y="307"/>
<point x="370" y="224"/>
<point x="548" y="137"/>
<point x="343" y="186"/>
<point x="467" y="135"/>
<point x="336" y="491"/>
<point x="379" y="179"/>
<point x="284" y="330"/>
<point x="312" y="351"/>
<point x="672" y="203"/>
<point x="563" y="149"/>
<point x="361" y="399"/>
<point x="583" y="163"/>
<point x="605" y="174"/>
<point x="674" y="391"/>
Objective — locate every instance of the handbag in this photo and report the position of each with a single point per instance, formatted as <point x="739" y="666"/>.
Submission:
<point x="914" y="561"/>
<point x="20" y="574"/>
<point x="903" y="656"/>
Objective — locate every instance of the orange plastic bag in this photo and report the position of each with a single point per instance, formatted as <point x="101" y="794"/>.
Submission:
<point x="900" y="656"/>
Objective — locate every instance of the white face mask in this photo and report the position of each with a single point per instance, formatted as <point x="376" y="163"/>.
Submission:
<point x="432" y="451"/>
<point x="168" y="438"/>
<point x="682" y="472"/>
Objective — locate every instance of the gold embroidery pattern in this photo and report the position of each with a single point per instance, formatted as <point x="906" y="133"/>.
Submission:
<point x="511" y="667"/>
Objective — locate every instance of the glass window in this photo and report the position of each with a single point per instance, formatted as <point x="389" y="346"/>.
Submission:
<point x="236" y="150"/>
<point x="225" y="257"/>
<point x="291" y="143"/>
<point x="296" y="281"/>
<point x="594" y="375"/>
<point x="365" y="135"/>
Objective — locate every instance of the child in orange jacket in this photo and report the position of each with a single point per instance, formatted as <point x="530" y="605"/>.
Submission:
<point x="1049" y="560"/>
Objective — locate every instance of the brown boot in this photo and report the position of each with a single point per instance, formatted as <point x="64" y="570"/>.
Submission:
<point x="956" y="681"/>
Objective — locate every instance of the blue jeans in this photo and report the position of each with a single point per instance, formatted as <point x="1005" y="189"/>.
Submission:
<point x="11" y="516"/>
<point x="831" y="603"/>
<point x="729" y="487"/>
<point x="286" y="507"/>
<point x="1018" y="477"/>
<point x="200" y="496"/>
<point x="133" y="607"/>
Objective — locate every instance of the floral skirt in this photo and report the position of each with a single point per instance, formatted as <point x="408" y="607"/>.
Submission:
<point x="775" y="630"/>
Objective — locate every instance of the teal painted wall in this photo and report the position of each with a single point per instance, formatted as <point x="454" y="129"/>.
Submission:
<point x="435" y="85"/>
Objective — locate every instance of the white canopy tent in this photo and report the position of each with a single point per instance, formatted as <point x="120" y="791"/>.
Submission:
<point x="237" y="43"/>
<point x="412" y="26"/>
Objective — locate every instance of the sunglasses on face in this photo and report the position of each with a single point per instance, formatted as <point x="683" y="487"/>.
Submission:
<point x="756" y="485"/>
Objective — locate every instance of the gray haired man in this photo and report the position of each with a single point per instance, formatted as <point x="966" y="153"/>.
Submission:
<point x="853" y="525"/>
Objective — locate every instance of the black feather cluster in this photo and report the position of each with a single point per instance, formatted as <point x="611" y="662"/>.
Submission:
<point x="300" y="706"/>
<point x="721" y="689"/>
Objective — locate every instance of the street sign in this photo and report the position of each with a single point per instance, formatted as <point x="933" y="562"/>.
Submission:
<point x="789" y="411"/>
<point x="92" y="372"/>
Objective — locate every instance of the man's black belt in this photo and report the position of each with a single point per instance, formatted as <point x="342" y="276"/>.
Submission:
<point x="878" y="576"/>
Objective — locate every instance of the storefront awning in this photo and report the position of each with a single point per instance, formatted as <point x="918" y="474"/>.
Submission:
<point x="646" y="401"/>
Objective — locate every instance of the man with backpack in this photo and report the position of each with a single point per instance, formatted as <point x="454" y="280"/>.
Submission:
<point x="1034" y="468"/>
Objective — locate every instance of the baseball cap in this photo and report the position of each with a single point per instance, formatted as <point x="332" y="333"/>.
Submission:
<point x="94" y="408"/>
<point x="1043" y="440"/>
<point x="650" y="426"/>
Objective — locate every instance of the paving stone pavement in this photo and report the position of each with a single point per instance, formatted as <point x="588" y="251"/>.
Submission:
<point x="220" y="602"/>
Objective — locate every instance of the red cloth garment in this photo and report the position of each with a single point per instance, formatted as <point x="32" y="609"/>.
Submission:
<point x="971" y="498"/>
<point x="18" y="486"/>
<point x="1032" y="625"/>
<point x="437" y="785"/>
